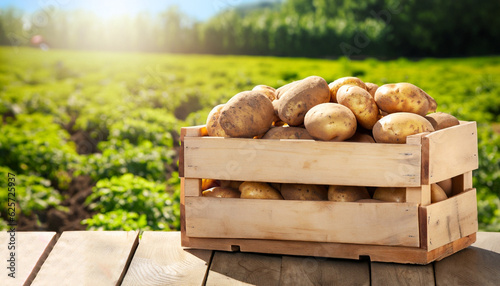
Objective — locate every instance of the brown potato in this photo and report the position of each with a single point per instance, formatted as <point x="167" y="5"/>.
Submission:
<point x="213" y="126"/>
<point x="371" y="88"/>
<point x="447" y="186"/>
<point x="220" y="192"/>
<point x="347" y="193"/>
<point x="361" y="137"/>
<point x="247" y="114"/>
<point x="390" y="194"/>
<point x="441" y="120"/>
<point x="284" y="88"/>
<point x="437" y="194"/>
<point x="330" y="122"/>
<point x="361" y="103"/>
<point x="258" y="190"/>
<point x="402" y="97"/>
<point x="287" y="132"/>
<point x="304" y="192"/>
<point x="266" y="90"/>
<point x="300" y="98"/>
<point x="209" y="183"/>
<point x="338" y="83"/>
<point x="394" y="127"/>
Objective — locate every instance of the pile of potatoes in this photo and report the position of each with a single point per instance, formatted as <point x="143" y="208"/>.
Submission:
<point x="309" y="192"/>
<point x="347" y="109"/>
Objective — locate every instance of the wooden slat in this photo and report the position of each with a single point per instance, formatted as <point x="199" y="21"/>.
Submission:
<point x="452" y="151"/>
<point x="450" y="219"/>
<point x="401" y="274"/>
<point x="420" y="195"/>
<point x="160" y="260"/>
<point x="31" y="250"/>
<point x="192" y="187"/>
<point x="476" y="265"/>
<point x="380" y="224"/>
<point x="302" y="161"/>
<point x="244" y="269"/>
<point x="380" y="253"/>
<point x="321" y="271"/>
<point x="88" y="258"/>
<point x="193" y="131"/>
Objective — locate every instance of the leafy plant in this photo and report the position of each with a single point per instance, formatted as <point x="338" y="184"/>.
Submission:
<point x="33" y="144"/>
<point x="131" y="202"/>
<point x="33" y="194"/>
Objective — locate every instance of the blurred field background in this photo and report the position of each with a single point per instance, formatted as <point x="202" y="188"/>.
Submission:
<point x="92" y="104"/>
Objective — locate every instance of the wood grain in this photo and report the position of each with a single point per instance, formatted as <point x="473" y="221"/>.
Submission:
<point x="452" y="151"/>
<point x="476" y="265"/>
<point x="160" y="260"/>
<point x="31" y="250"/>
<point x="401" y="274"/>
<point x="449" y="220"/>
<point x="321" y="271"/>
<point x="244" y="269"/>
<point x="376" y="223"/>
<point x="88" y="258"/>
<point x="302" y="161"/>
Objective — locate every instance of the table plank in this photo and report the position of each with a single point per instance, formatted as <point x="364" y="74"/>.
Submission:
<point x="320" y="271"/>
<point x="401" y="274"/>
<point x="31" y="249"/>
<point x="88" y="258"/>
<point x="228" y="268"/>
<point x="160" y="260"/>
<point x="478" y="264"/>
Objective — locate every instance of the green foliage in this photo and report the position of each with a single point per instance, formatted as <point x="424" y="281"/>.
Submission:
<point x="33" y="194"/>
<point x="121" y="157"/>
<point x="33" y="144"/>
<point x="131" y="202"/>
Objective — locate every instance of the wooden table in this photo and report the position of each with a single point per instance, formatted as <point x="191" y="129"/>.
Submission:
<point x="117" y="257"/>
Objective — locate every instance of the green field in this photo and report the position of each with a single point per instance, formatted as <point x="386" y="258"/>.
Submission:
<point x="113" y="120"/>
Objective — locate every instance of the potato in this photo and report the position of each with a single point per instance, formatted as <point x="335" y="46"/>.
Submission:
<point x="247" y="114"/>
<point x="390" y="194"/>
<point x="371" y="88"/>
<point x="361" y="103"/>
<point x="268" y="91"/>
<point x="338" y="83"/>
<point x="209" y="183"/>
<point x="299" y="98"/>
<point x="361" y="137"/>
<point x="284" y="88"/>
<point x="330" y="122"/>
<point x="220" y="192"/>
<point x="287" y="132"/>
<point x="394" y="127"/>
<point x="441" y="120"/>
<point x="304" y="192"/>
<point x="347" y="193"/>
<point x="276" y="186"/>
<point x="402" y="97"/>
<point x="231" y="184"/>
<point x="258" y="190"/>
<point x="213" y="126"/>
<point x="447" y="186"/>
<point x="437" y="194"/>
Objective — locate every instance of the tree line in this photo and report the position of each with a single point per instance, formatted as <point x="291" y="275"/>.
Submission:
<point x="299" y="28"/>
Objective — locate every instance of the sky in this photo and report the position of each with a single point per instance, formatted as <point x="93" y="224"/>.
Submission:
<point x="198" y="9"/>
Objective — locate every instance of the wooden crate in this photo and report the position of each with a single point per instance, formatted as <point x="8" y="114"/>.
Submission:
<point x="412" y="232"/>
